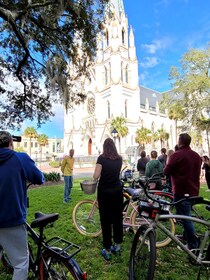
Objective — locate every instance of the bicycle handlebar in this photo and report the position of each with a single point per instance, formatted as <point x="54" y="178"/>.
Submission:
<point x="193" y="199"/>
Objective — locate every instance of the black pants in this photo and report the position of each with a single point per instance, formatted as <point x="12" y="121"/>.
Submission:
<point x="207" y="176"/>
<point x="110" y="209"/>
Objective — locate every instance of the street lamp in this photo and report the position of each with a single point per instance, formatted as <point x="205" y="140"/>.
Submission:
<point x="114" y="134"/>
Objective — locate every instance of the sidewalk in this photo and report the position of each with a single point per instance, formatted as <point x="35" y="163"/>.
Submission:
<point x="79" y="172"/>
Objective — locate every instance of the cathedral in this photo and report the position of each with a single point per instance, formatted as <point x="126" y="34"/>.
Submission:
<point x="114" y="91"/>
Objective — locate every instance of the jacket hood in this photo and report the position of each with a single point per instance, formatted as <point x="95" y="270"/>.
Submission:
<point x="5" y="154"/>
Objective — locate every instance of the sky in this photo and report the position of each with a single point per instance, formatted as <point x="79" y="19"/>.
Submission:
<point x="164" y="30"/>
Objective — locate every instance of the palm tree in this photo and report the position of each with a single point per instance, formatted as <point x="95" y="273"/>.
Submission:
<point x="42" y="139"/>
<point x="119" y="123"/>
<point x="143" y="136"/>
<point x="30" y="132"/>
<point x="163" y="136"/>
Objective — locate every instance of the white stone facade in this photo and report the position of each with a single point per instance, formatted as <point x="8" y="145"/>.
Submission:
<point x="113" y="92"/>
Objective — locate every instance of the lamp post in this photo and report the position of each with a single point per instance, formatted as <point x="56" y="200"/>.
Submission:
<point x="114" y="134"/>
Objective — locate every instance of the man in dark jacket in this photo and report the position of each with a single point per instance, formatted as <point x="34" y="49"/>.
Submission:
<point x="163" y="157"/>
<point x="15" y="169"/>
<point x="184" y="167"/>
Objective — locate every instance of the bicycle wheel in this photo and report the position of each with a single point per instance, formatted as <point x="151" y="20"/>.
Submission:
<point x="86" y="218"/>
<point x="161" y="238"/>
<point x="54" y="267"/>
<point x="143" y="255"/>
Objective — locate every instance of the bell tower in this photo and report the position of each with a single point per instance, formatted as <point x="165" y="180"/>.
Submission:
<point x="117" y="66"/>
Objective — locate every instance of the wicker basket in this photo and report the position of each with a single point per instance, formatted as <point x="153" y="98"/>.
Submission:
<point x="88" y="187"/>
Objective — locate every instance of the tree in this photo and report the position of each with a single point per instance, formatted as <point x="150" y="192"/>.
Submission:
<point x="162" y="135"/>
<point x="119" y="123"/>
<point x="30" y="132"/>
<point x="175" y="109"/>
<point x="38" y="40"/>
<point x="143" y="136"/>
<point x="42" y="140"/>
<point x="203" y="124"/>
<point x="191" y="85"/>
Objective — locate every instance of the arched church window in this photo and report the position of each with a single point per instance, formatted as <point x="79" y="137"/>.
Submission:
<point x="122" y="71"/>
<point x="153" y="127"/>
<point x="126" y="108"/>
<point x="123" y="36"/>
<point x="106" y="75"/>
<point x="126" y="74"/>
<point x="108" y="108"/>
<point x="107" y="38"/>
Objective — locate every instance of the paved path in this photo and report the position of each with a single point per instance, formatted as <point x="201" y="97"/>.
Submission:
<point x="78" y="172"/>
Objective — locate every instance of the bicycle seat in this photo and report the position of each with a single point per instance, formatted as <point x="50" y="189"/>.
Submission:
<point x="41" y="219"/>
<point x="133" y="192"/>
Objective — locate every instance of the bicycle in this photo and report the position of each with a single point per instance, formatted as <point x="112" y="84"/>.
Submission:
<point x="87" y="220"/>
<point x="143" y="252"/>
<point x="49" y="259"/>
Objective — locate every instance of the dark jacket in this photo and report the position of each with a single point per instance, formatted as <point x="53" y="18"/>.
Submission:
<point x="184" y="167"/>
<point x="15" y="169"/>
<point x="141" y="165"/>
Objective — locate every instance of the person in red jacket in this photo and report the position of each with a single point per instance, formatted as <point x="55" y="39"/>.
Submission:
<point x="184" y="167"/>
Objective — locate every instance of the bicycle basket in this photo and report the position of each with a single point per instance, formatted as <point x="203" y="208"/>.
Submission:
<point x="88" y="186"/>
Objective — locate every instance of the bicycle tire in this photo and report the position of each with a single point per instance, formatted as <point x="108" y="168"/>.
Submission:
<point x="143" y="255"/>
<point x="87" y="223"/>
<point x="52" y="266"/>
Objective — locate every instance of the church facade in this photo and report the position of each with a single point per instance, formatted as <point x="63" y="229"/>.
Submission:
<point x="114" y="91"/>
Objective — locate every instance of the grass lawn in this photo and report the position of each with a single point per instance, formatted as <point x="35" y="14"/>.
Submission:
<point x="171" y="263"/>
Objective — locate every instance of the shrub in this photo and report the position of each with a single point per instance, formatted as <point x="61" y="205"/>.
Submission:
<point x="52" y="176"/>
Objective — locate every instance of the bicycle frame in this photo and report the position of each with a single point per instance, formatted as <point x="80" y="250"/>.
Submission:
<point x="198" y="258"/>
<point x="42" y="245"/>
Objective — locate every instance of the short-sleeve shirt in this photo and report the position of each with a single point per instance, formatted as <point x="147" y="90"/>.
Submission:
<point x="110" y="174"/>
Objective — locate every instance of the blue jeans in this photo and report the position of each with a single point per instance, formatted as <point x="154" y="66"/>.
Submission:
<point x="189" y="233"/>
<point x="68" y="180"/>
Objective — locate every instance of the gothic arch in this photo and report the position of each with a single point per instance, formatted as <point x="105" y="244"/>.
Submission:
<point x="108" y="110"/>
<point x="105" y="75"/>
<point x="123" y="36"/>
<point x="107" y="37"/>
<point x="126" y="74"/>
<point x="153" y="127"/>
<point x="126" y="108"/>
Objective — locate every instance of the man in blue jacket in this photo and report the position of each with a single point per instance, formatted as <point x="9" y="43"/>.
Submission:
<point x="15" y="169"/>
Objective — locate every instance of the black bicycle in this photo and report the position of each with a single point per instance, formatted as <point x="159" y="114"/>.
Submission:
<point x="49" y="259"/>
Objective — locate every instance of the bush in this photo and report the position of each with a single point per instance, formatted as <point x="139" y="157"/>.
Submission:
<point x="54" y="164"/>
<point x="52" y="176"/>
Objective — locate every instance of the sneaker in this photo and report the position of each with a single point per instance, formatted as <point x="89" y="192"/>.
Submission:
<point x="106" y="255"/>
<point x="115" y="251"/>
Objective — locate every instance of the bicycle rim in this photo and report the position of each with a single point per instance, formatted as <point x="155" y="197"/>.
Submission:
<point x="143" y="255"/>
<point x="53" y="267"/>
<point x="86" y="218"/>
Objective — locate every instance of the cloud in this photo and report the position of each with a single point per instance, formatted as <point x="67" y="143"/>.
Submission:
<point x="157" y="45"/>
<point x="149" y="62"/>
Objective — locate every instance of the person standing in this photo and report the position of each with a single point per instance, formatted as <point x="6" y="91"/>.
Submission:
<point x="141" y="164"/>
<point x="206" y="169"/>
<point x="67" y="166"/>
<point x="163" y="157"/>
<point x="15" y="169"/>
<point x="110" y="198"/>
<point x="154" y="166"/>
<point x="184" y="167"/>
